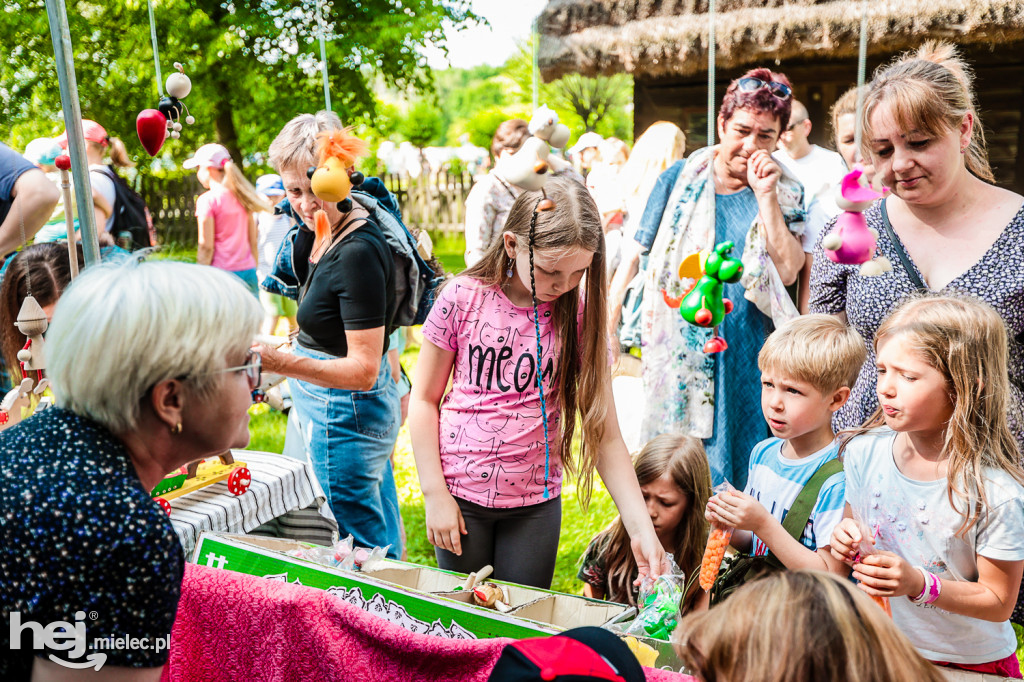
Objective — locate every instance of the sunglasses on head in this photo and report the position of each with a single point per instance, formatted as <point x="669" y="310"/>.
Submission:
<point x="750" y="84"/>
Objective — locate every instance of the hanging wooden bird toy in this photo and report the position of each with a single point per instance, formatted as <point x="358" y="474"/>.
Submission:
<point x="333" y="179"/>
<point x="704" y="304"/>
<point x="532" y="165"/>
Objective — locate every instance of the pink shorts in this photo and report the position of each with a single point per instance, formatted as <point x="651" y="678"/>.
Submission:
<point x="1007" y="667"/>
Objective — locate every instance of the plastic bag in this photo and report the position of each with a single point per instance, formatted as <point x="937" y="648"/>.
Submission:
<point x="659" y="605"/>
<point x="718" y="541"/>
<point x="318" y="555"/>
<point x="344" y="555"/>
<point x="866" y="547"/>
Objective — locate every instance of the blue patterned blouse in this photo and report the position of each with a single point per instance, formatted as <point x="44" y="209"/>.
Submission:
<point x="81" y="542"/>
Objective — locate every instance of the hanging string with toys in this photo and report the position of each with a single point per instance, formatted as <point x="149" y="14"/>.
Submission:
<point x="851" y="241"/>
<point x="154" y="125"/>
<point x="323" y="54"/>
<point x="703" y="304"/>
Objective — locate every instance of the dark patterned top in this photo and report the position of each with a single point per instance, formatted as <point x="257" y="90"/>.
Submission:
<point x="997" y="278"/>
<point x="593" y="570"/>
<point x="81" y="542"/>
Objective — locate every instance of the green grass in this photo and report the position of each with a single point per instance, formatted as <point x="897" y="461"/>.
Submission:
<point x="450" y="249"/>
<point x="176" y="252"/>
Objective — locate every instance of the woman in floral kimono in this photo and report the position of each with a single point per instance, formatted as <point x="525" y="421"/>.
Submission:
<point x="730" y="192"/>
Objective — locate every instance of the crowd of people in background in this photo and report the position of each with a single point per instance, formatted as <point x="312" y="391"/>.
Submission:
<point x="890" y="406"/>
<point x="877" y="369"/>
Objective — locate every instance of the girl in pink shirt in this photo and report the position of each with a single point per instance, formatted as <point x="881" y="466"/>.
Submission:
<point x="490" y="452"/>
<point x="227" y="229"/>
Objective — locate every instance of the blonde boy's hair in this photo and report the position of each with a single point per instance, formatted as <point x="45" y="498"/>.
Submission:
<point x="820" y="350"/>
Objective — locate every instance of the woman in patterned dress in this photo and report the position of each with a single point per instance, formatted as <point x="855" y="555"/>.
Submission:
<point x="959" y="232"/>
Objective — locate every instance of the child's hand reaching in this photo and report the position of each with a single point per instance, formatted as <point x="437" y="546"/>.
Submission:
<point x="650" y="556"/>
<point x="738" y="510"/>
<point x="845" y="538"/>
<point x="884" y="574"/>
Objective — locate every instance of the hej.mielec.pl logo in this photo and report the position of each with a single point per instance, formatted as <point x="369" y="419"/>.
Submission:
<point x="58" y="636"/>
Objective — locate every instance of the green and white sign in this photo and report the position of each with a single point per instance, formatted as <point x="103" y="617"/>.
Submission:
<point x="418" y="598"/>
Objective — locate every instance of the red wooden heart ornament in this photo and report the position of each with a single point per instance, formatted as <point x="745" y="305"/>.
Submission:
<point x="151" y="126"/>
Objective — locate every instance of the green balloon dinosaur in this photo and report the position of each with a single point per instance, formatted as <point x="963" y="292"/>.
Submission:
<point x="704" y="305"/>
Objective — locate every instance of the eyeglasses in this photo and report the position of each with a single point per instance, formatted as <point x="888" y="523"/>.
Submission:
<point x="749" y="84"/>
<point x="253" y="368"/>
<point x="794" y="124"/>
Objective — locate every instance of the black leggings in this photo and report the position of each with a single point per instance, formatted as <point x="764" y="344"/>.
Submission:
<point x="520" y="543"/>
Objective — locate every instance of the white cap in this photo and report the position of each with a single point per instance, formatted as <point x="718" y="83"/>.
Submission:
<point x="586" y="141"/>
<point x="209" y="156"/>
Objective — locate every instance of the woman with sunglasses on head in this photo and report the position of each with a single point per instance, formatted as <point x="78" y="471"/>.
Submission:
<point x="150" y="369"/>
<point x="343" y="393"/>
<point x="734" y="192"/>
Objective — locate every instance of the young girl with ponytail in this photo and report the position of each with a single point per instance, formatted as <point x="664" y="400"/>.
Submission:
<point x="227" y="229"/>
<point x="490" y="451"/>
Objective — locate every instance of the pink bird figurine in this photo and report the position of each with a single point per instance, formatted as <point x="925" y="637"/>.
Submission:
<point x="851" y="241"/>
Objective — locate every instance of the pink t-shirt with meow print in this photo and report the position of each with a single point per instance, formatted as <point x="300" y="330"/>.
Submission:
<point x="491" y="430"/>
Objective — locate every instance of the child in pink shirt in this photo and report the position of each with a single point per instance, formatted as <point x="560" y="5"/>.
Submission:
<point x="227" y="229"/>
<point x="490" y="452"/>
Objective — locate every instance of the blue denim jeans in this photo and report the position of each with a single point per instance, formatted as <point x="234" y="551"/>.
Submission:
<point x="349" y="436"/>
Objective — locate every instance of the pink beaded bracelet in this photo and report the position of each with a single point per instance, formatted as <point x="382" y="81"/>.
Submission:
<point x="931" y="590"/>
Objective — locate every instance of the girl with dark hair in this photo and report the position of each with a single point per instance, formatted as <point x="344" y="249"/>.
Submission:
<point x="46" y="271"/>
<point x="673" y="474"/>
<point x="490" y="454"/>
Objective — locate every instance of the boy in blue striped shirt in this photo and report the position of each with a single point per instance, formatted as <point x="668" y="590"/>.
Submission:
<point x="808" y="367"/>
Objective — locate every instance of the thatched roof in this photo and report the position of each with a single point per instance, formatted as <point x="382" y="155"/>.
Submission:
<point x="656" y="38"/>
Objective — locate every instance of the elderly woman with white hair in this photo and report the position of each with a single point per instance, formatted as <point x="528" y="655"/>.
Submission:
<point x="343" y="393"/>
<point x="151" y="369"/>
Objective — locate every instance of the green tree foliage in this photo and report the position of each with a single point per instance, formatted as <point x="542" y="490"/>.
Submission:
<point x="421" y="125"/>
<point x="254" y="64"/>
<point x="464" y="92"/>
<point x="603" y="104"/>
<point x="481" y="125"/>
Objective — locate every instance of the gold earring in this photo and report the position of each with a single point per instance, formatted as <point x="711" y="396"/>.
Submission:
<point x="176" y="429"/>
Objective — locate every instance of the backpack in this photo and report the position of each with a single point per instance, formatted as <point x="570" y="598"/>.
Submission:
<point x="741" y="568"/>
<point x="131" y="216"/>
<point x="416" y="282"/>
